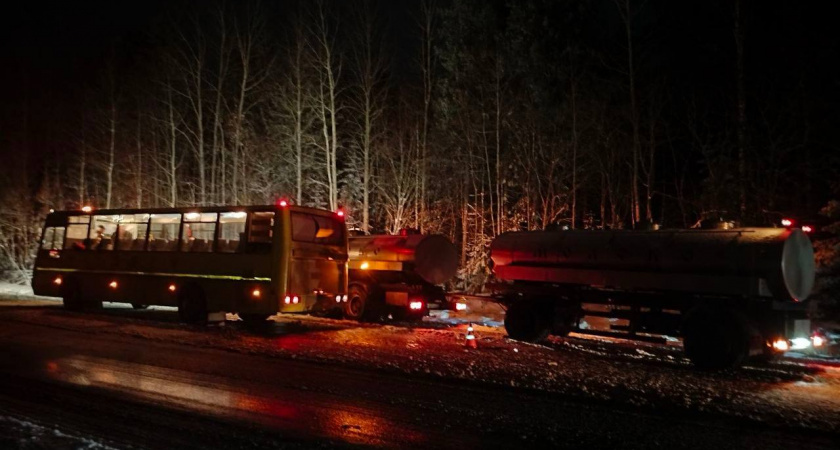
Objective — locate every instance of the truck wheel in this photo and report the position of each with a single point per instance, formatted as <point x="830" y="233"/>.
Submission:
<point x="357" y="297"/>
<point x="524" y="322"/>
<point x="716" y="339"/>
<point x="192" y="307"/>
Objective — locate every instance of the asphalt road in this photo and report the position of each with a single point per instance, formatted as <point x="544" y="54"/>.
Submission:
<point x="129" y="392"/>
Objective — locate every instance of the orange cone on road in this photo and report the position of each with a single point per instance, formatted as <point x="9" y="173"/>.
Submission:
<point x="470" y="342"/>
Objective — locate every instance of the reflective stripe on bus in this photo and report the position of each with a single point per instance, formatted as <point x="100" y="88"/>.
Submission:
<point x="180" y="275"/>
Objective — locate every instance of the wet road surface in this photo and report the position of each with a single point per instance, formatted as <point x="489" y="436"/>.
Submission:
<point x="126" y="392"/>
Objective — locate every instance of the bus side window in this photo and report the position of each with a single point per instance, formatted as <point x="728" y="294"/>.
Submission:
<point x="53" y="238"/>
<point x="199" y="232"/>
<point x="163" y="233"/>
<point x="231" y="231"/>
<point x="76" y="237"/>
<point x="103" y="232"/>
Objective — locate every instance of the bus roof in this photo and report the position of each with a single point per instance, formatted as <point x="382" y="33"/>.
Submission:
<point x="189" y="209"/>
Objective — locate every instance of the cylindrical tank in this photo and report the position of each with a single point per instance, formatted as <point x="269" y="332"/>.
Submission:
<point x="431" y="256"/>
<point x="783" y="258"/>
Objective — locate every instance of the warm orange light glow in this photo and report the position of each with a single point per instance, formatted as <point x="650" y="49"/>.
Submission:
<point x="781" y="345"/>
<point x="113" y="284"/>
<point x="87" y="209"/>
<point x="365" y="265"/>
<point x="57" y="281"/>
<point x="256" y="293"/>
<point x="172" y="288"/>
<point x="818" y="341"/>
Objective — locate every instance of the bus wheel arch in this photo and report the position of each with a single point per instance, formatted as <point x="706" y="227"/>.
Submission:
<point x="192" y="304"/>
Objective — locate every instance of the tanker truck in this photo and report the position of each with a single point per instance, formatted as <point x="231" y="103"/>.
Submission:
<point x="398" y="275"/>
<point x="729" y="294"/>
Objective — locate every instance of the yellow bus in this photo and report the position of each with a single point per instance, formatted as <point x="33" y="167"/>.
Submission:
<point x="252" y="260"/>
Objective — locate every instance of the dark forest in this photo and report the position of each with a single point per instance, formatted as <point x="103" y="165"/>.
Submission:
<point x="466" y="118"/>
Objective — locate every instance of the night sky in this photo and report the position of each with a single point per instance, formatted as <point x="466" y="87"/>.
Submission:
<point x="52" y="52"/>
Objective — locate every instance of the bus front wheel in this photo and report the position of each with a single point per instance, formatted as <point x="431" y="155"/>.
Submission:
<point x="72" y="296"/>
<point x="192" y="307"/>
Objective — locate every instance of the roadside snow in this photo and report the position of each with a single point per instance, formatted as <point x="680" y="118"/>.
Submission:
<point x="23" y="434"/>
<point x="20" y="291"/>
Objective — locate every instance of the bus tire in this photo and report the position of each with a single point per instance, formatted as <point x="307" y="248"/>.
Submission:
<point x="254" y="318"/>
<point x="72" y="296"/>
<point x="523" y="322"/>
<point x="357" y="297"/>
<point x="192" y="306"/>
<point x="715" y="338"/>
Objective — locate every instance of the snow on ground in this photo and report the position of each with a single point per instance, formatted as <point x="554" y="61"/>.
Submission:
<point x="22" y="434"/>
<point x="20" y="291"/>
<point x="628" y="375"/>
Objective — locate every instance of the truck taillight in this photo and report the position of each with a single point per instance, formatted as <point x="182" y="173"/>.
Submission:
<point x="818" y="341"/>
<point x="787" y="222"/>
<point x="781" y="345"/>
<point x="807" y="228"/>
<point x="416" y="305"/>
<point x="460" y="307"/>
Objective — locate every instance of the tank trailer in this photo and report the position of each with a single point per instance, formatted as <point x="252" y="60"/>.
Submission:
<point x="730" y="294"/>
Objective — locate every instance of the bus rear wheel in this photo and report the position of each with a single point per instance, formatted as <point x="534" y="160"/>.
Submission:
<point x="192" y="307"/>
<point x="527" y="322"/>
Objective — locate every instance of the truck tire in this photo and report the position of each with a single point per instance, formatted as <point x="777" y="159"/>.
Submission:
<point x="527" y="322"/>
<point x="192" y="306"/>
<point x="715" y="339"/>
<point x="357" y="299"/>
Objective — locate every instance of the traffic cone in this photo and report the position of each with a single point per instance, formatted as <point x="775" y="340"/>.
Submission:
<point x="470" y="342"/>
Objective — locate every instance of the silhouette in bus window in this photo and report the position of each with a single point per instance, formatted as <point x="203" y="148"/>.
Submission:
<point x="98" y="242"/>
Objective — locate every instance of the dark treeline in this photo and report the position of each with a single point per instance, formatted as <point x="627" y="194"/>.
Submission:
<point x="467" y="118"/>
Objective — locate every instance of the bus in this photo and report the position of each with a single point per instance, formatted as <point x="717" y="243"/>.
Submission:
<point x="255" y="261"/>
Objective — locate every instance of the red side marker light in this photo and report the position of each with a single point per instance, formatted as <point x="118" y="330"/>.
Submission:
<point x="282" y="203"/>
<point x="87" y="209"/>
<point x="57" y="281"/>
<point x="807" y="228"/>
<point x="416" y="305"/>
<point x="256" y="293"/>
<point x="340" y="213"/>
<point x="787" y="222"/>
<point x="113" y="284"/>
<point x="172" y="288"/>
